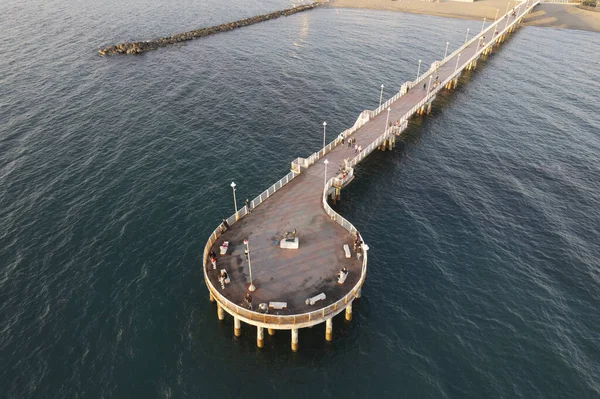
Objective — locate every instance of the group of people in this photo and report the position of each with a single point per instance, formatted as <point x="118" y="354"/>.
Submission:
<point x="358" y="246"/>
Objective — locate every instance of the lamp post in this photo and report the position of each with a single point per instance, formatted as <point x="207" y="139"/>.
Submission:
<point x="381" y="95"/>
<point x="478" y="44"/>
<point x="483" y="25"/>
<point x="324" y="128"/>
<point x="251" y="288"/>
<point x="429" y="84"/>
<point x="446" y="52"/>
<point x="419" y="71"/>
<point x="234" y="201"/>
<point x="326" y="162"/>
<point x="457" y="59"/>
<point x="496" y="17"/>
<point x="387" y="121"/>
<point x="466" y="37"/>
<point x="507" y="7"/>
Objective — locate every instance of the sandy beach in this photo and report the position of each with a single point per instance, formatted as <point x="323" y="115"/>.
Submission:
<point x="564" y="16"/>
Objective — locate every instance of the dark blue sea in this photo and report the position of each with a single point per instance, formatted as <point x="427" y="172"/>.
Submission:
<point x="483" y="224"/>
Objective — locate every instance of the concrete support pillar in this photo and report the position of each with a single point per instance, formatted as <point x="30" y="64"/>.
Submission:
<point x="349" y="312"/>
<point x="329" y="329"/>
<point x="260" y="336"/>
<point x="295" y="339"/>
<point x="428" y="108"/>
<point x="237" y="327"/>
<point x="211" y="297"/>
<point x="455" y="82"/>
<point x="220" y="312"/>
<point x="358" y="292"/>
<point x="474" y="64"/>
<point x="271" y="331"/>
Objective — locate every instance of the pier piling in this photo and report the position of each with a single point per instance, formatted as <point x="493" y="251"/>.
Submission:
<point x="295" y="339"/>
<point x="260" y="336"/>
<point x="220" y="312"/>
<point x="349" y="312"/>
<point x="237" y="327"/>
<point x="329" y="329"/>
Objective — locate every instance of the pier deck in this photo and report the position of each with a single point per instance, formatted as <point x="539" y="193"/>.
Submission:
<point x="292" y="276"/>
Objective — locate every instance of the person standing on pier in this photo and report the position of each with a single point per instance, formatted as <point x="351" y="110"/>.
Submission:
<point x="342" y="138"/>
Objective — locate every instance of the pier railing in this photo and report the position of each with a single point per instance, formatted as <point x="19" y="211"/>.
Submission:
<point x="253" y="204"/>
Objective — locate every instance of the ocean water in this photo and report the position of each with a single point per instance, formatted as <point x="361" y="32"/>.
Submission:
<point x="483" y="224"/>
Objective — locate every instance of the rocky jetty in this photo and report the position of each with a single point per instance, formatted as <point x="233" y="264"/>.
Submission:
<point x="141" y="47"/>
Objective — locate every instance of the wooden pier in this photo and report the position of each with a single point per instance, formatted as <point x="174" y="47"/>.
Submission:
<point x="285" y="279"/>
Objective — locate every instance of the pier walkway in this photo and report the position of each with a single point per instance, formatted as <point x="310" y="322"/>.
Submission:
<point x="286" y="278"/>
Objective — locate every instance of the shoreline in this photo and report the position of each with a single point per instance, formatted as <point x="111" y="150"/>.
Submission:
<point x="564" y="16"/>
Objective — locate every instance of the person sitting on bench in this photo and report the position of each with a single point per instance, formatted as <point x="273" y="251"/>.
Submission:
<point x="342" y="275"/>
<point x="224" y="278"/>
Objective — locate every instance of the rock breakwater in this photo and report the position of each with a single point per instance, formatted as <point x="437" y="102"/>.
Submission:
<point x="143" y="46"/>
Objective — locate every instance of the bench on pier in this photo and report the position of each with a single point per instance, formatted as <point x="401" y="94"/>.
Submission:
<point x="223" y="248"/>
<point x="278" y="305"/>
<point x="347" y="251"/>
<point x="315" y="299"/>
<point x="289" y="243"/>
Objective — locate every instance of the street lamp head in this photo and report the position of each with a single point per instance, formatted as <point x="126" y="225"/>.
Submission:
<point x="419" y="60"/>
<point x="382" y="85"/>
<point x="324" y="123"/>
<point x="389" y="109"/>
<point x="233" y="185"/>
<point x="326" y="162"/>
<point x="245" y="241"/>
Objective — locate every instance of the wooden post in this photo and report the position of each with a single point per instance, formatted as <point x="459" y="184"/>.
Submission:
<point x="358" y="292"/>
<point x="349" y="311"/>
<point x="295" y="339"/>
<point x="237" y="327"/>
<point x="220" y="312"/>
<point x="329" y="329"/>
<point x="260" y="335"/>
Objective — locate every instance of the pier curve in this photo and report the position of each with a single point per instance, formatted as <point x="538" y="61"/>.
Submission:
<point x="287" y="275"/>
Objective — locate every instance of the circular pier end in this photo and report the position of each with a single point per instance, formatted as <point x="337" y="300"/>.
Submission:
<point x="260" y="336"/>
<point x="237" y="327"/>
<point x="349" y="312"/>
<point x="329" y="329"/>
<point x="295" y="339"/>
